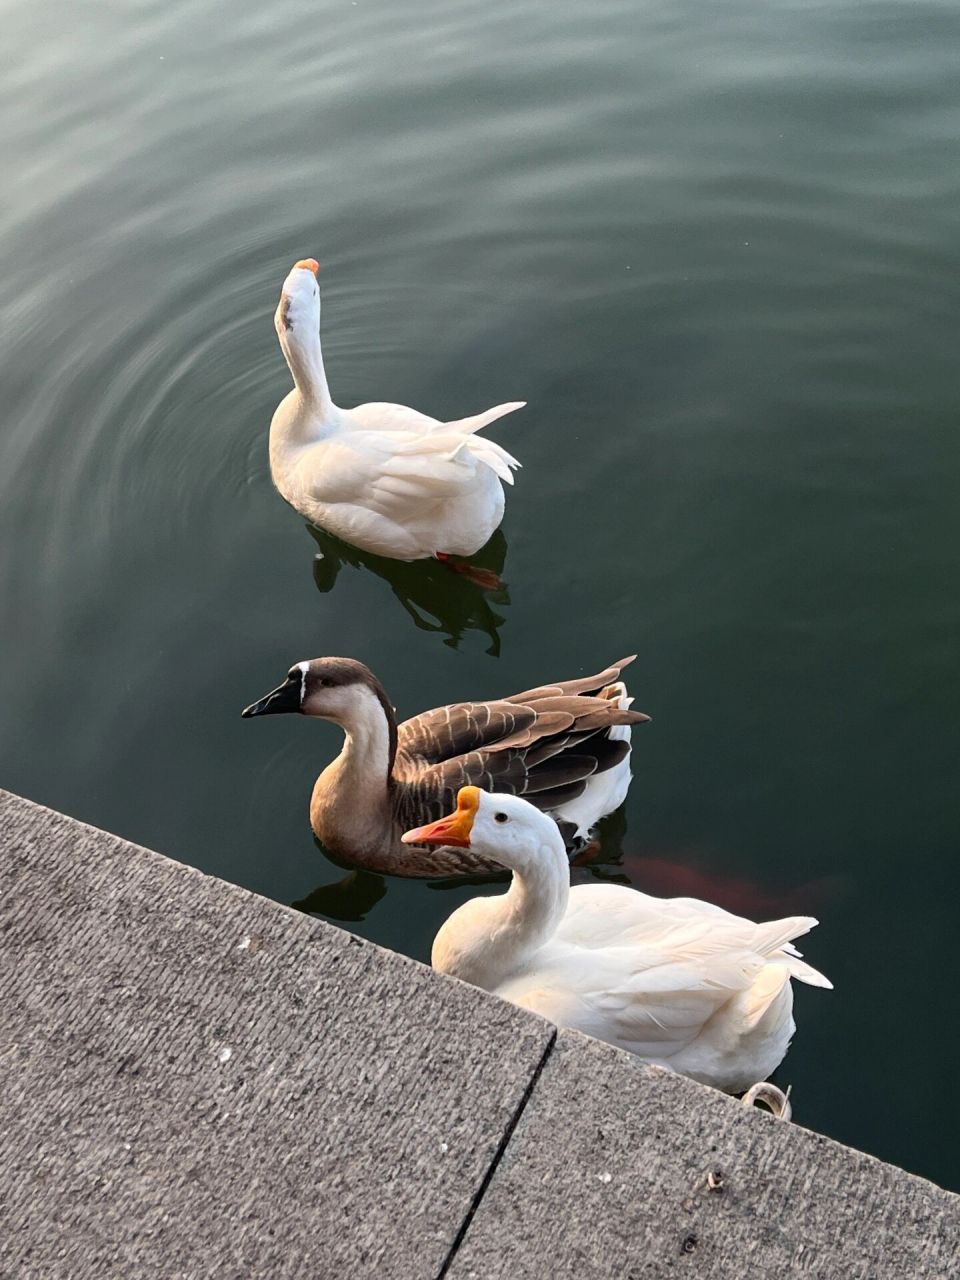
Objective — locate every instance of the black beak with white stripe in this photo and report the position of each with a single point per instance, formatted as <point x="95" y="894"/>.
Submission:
<point x="286" y="697"/>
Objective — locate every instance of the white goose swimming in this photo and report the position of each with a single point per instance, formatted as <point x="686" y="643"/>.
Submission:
<point x="681" y="983"/>
<point x="382" y="477"/>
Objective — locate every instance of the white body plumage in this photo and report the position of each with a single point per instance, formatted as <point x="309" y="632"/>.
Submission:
<point x="679" y="982"/>
<point x="382" y="477"/>
<point x="605" y="792"/>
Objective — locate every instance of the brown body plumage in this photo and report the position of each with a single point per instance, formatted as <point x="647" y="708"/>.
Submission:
<point x="545" y="744"/>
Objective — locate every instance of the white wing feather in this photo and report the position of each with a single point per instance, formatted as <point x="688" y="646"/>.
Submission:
<point x="380" y="415"/>
<point x="481" y="420"/>
<point x="655" y="970"/>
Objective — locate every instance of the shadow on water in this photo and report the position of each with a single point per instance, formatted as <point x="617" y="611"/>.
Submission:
<point x="355" y="895"/>
<point x="348" y="900"/>
<point x="433" y="595"/>
<point x="602" y="856"/>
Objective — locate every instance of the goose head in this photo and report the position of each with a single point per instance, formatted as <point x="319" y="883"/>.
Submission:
<point x="298" y="311"/>
<point x="338" y="689"/>
<point x="506" y="829"/>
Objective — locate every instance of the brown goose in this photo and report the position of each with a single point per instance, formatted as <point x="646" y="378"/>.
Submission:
<point x="564" y="746"/>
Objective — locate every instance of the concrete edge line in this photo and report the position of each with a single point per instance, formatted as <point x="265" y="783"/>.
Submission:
<point x="497" y="1156"/>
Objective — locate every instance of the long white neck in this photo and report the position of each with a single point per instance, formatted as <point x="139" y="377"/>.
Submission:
<point x="536" y="901"/>
<point x="301" y="349"/>
<point x="488" y="939"/>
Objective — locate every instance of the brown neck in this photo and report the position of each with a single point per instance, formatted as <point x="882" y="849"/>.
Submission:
<point x="352" y="806"/>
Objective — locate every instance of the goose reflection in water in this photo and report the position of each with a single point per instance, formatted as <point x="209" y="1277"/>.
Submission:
<point x="436" y="598"/>
<point x="353" y="897"/>
<point x="348" y="900"/>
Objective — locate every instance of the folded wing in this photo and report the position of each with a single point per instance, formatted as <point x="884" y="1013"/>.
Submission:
<point x="544" y="745"/>
<point x="658" y="970"/>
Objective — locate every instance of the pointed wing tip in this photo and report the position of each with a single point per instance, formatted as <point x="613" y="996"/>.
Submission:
<point x="814" y="978"/>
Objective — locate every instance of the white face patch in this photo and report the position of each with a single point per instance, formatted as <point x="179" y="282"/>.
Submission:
<point x="304" y="668"/>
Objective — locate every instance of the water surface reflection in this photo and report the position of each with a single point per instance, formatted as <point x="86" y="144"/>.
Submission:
<point x="433" y="596"/>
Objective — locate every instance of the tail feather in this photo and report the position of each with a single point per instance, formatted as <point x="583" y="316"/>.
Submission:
<point x="804" y="972"/>
<point x="774" y="935"/>
<point x="480" y="420"/>
<point x="490" y="453"/>
<point x="776" y="943"/>
<point x="618" y="693"/>
<point x="607" y="789"/>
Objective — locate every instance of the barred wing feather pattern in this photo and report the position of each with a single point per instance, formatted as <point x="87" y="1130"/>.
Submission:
<point x="543" y="744"/>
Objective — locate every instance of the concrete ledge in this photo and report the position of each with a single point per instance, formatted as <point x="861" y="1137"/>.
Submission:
<point x="201" y="1083"/>
<point x="607" y="1173"/>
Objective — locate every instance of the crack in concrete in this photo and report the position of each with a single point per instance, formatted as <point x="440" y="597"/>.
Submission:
<point x="498" y="1156"/>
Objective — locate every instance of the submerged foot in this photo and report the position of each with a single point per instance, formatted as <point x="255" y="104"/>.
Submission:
<point x="486" y="579"/>
<point x="586" y="852"/>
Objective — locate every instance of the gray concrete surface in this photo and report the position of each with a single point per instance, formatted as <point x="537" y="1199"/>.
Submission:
<point x="198" y="1082"/>
<point x="607" y="1173"/>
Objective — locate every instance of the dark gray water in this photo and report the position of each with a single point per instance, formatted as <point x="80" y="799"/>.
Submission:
<point x="717" y="250"/>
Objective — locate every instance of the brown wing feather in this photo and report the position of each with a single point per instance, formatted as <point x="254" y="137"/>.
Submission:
<point x="449" y="731"/>
<point x="586" y="713"/>
<point x="445" y="732"/>
<point x="558" y="796"/>
<point x="435" y="791"/>
<point x="543" y="745"/>
<point x="585" y="684"/>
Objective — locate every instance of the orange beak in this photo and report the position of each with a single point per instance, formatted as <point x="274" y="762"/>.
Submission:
<point x="308" y="264"/>
<point x="455" y="828"/>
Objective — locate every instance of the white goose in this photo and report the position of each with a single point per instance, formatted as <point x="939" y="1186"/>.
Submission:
<point x="681" y="983"/>
<point x="382" y="477"/>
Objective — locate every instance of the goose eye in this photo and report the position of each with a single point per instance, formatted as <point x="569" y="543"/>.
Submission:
<point x="500" y="817"/>
<point x="325" y="683"/>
